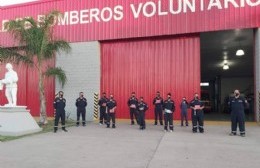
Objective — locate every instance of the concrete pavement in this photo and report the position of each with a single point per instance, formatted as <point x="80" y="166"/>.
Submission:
<point x="128" y="147"/>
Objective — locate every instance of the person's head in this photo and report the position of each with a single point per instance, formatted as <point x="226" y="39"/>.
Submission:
<point x="158" y="94"/>
<point x="196" y="96"/>
<point x="236" y="93"/>
<point x="60" y="93"/>
<point x="81" y="94"/>
<point x="111" y="96"/>
<point x="169" y="95"/>
<point x="104" y="94"/>
<point x="141" y="99"/>
<point x="9" y="66"/>
<point x="184" y="98"/>
<point x="133" y="94"/>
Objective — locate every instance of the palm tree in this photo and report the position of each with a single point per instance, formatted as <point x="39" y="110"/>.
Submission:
<point x="36" y="45"/>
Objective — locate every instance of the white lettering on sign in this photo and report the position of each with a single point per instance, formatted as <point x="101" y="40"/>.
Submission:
<point x="232" y="2"/>
<point x="214" y="3"/>
<point x="187" y="4"/>
<point x="87" y="16"/>
<point x="64" y="20"/>
<point x="201" y="5"/>
<point x="94" y="13"/>
<point x="160" y="9"/>
<point x="136" y="12"/>
<point x="84" y="16"/>
<point x="172" y="11"/>
<point x="148" y="9"/>
<point x="250" y="3"/>
<point x="118" y="10"/>
<point x="74" y="17"/>
<point x="106" y="14"/>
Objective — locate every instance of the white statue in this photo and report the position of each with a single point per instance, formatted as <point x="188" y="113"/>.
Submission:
<point x="10" y="82"/>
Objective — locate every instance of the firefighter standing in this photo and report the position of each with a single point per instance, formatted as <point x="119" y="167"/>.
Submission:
<point x="184" y="111"/>
<point x="237" y="105"/>
<point x="81" y="104"/>
<point x="59" y="106"/>
<point x="102" y="109"/>
<point x="111" y="110"/>
<point x="197" y="114"/>
<point x="158" y="103"/>
<point x="132" y="104"/>
<point x="169" y="108"/>
<point x="142" y="108"/>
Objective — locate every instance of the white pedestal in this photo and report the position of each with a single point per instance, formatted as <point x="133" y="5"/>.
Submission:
<point x="16" y="121"/>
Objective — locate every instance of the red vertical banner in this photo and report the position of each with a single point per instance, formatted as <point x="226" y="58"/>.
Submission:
<point x="170" y="64"/>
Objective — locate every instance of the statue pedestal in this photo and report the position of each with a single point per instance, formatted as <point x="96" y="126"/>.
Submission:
<point x="16" y="121"/>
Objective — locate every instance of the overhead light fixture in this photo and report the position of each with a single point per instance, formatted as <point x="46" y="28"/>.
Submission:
<point x="240" y="52"/>
<point x="225" y="61"/>
<point x="225" y="67"/>
<point x="204" y="84"/>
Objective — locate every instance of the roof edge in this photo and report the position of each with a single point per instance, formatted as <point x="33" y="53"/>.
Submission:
<point x="26" y="3"/>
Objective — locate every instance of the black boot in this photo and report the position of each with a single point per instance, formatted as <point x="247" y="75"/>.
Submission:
<point x="64" y="129"/>
<point x="113" y="126"/>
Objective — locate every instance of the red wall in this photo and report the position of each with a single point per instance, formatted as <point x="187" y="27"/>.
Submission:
<point x="150" y="65"/>
<point x="217" y="18"/>
<point x="28" y="94"/>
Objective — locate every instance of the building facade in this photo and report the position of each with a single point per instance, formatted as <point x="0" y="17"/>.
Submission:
<point x="120" y="46"/>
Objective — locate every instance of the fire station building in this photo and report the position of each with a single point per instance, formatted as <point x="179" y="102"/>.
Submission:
<point x="210" y="47"/>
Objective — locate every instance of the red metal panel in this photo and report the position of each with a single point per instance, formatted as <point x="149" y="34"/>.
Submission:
<point x="150" y="65"/>
<point x="215" y="18"/>
<point x="33" y="101"/>
<point x="28" y="94"/>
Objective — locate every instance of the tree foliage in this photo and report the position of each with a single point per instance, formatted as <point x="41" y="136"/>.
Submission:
<point x="34" y="45"/>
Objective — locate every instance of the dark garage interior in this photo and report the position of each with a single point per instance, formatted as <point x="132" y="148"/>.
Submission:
<point x="222" y="71"/>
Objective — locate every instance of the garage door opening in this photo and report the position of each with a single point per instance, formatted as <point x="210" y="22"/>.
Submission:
<point x="227" y="64"/>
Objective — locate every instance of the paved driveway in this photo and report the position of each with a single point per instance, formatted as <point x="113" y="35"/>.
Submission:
<point x="95" y="146"/>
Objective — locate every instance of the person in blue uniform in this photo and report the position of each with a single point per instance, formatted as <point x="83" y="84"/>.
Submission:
<point x="111" y="111"/>
<point x="102" y="109"/>
<point x="158" y="108"/>
<point x="237" y="105"/>
<point x="169" y="108"/>
<point x="184" y="111"/>
<point x="197" y="115"/>
<point x="59" y="107"/>
<point x="142" y="108"/>
<point x="81" y="104"/>
<point x="132" y="104"/>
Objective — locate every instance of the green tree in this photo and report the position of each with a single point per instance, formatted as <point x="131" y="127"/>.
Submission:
<point x="36" y="44"/>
